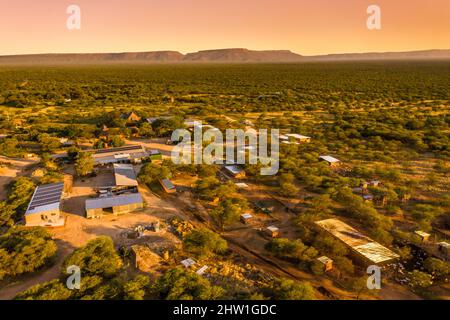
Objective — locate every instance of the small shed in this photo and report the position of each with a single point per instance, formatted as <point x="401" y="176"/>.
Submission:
<point x="332" y="162"/>
<point x="241" y="185"/>
<point x="168" y="186"/>
<point x="202" y="270"/>
<point x="235" y="171"/>
<point x="273" y="231"/>
<point x="188" y="263"/>
<point x="423" y="235"/>
<point x="246" y="218"/>
<point x="327" y="263"/>
<point x="299" y="138"/>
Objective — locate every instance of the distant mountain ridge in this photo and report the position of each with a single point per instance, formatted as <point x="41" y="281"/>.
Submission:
<point x="238" y="55"/>
<point x="243" y="55"/>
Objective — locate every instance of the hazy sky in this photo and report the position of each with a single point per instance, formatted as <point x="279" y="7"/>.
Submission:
<point x="306" y="27"/>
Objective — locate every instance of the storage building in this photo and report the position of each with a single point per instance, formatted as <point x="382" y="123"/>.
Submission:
<point x="168" y="186"/>
<point x="332" y="162"/>
<point x="365" y="249"/>
<point x="235" y="171"/>
<point x="116" y="205"/>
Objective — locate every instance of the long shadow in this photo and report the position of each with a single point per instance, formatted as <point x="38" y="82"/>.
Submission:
<point x="75" y="206"/>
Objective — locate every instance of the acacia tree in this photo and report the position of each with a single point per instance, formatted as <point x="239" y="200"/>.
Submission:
<point x="84" y="164"/>
<point x="97" y="257"/>
<point x="52" y="290"/>
<point x="284" y="289"/>
<point x="24" y="250"/>
<point x="179" y="284"/>
<point x="204" y="242"/>
<point x="227" y="212"/>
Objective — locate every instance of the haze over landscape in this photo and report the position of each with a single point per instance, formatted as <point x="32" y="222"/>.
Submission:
<point x="238" y="55"/>
<point x="306" y="27"/>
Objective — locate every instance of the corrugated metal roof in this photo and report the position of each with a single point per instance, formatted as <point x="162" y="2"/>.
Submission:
<point x="324" y="259"/>
<point x="246" y="216"/>
<point x="124" y="175"/>
<point x="376" y="252"/>
<point x="329" y="159"/>
<point x="188" y="262"/>
<point x="45" y="198"/>
<point x="167" y="184"/>
<point x="362" y="244"/>
<point x="297" y="136"/>
<point x="109" y="202"/>
<point x="234" y="169"/>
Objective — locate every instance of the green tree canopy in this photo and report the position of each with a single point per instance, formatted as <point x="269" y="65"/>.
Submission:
<point x="204" y="242"/>
<point x="24" y="249"/>
<point x="179" y="284"/>
<point x="97" y="257"/>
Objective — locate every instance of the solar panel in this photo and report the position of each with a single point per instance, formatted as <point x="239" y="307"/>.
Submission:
<point x="46" y="194"/>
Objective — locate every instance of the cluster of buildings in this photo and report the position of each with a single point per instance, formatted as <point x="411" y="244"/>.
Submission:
<point x="121" y="198"/>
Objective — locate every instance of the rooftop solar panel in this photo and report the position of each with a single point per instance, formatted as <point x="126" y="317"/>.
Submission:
<point x="45" y="195"/>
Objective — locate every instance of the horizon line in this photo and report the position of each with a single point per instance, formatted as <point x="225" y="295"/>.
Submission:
<point x="218" y="49"/>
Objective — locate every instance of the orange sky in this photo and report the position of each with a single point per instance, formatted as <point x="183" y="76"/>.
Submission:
<point x="306" y="27"/>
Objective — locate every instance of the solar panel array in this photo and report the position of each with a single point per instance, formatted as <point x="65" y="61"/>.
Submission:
<point x="46" y="194"/>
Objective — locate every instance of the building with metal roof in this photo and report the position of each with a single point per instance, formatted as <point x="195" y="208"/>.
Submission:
<point x="298" y="137"/>
<point x="125" y="154"/>
<point x="189" y="262"/>
<point x="44" y="207"/>
<point x="246" y="217"/>
<point x="326" y="262"/>
<point x="121" y="204"/>
<point x="273" y="231"/>
<point x="236" y="171"/>
<point x="124" y="175"/>
<point x="332" y="161"/>
<point x="168" y="186"/>
<point x="370" y="251"/>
